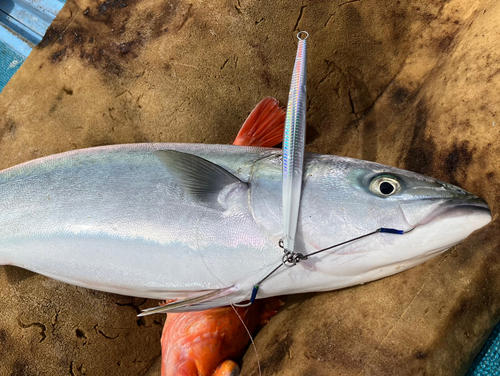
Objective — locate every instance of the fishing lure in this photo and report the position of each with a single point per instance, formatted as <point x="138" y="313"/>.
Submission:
<point x="293" y="145"/>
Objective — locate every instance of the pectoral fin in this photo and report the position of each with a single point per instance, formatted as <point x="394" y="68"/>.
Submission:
<point x="200" y="178"/>
<point x="189" y="304"/>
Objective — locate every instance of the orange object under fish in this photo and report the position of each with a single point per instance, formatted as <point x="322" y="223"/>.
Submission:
<point x="197" y="343"/>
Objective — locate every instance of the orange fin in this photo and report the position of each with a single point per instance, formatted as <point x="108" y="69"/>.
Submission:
<point x="264" y="126"/>
<point x="227" y="368"/>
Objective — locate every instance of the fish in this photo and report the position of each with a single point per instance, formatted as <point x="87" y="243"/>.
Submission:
<point x="208" y="342"/>
<point x="202" y="223"/>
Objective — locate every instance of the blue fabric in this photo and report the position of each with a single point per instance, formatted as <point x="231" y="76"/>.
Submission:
<point x="487" y="362"/>
<point x="10" y="62"/>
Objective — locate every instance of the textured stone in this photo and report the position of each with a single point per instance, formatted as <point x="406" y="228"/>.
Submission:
<point x="409" y="84"/>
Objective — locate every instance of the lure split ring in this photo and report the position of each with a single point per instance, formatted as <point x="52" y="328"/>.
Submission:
<point x="300" y="33"/>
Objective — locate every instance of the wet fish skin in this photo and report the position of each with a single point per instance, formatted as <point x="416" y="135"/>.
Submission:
<point x="116" y="219"/>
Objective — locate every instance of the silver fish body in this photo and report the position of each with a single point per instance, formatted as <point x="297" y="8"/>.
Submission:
<point x="120" y="219"/>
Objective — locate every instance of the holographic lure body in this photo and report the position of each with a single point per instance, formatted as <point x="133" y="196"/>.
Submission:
<point x="293" y="145"/>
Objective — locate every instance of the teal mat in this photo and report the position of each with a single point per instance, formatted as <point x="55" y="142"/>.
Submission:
<point x="10" y="62"/>
<point x="487" y="362"/>
<point x="22" y="26"/>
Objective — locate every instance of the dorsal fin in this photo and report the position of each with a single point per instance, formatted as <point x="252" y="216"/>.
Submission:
<point x="200" y="178"/>
<point x="264" y="126"/>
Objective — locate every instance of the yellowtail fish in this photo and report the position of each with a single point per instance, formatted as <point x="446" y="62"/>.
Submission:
<point x="203" y="222"/>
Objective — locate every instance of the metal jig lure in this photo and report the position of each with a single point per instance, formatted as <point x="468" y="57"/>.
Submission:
<point x="293" y="147"/>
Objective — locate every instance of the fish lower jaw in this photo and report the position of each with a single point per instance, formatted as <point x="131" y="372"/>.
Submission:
<point x="452" y="225"/>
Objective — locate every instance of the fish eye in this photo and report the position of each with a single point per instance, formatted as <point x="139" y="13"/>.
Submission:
<point x="385" y="186"/>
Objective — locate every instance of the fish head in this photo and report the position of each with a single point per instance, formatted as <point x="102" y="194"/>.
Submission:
<point x="344" y="199"/>
<point x="405" y="200"/>
<point x="354" y="198"/>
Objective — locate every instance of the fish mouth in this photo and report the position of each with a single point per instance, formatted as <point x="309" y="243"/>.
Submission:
<point x="458" y="208"/>
<point x="423" y="211"/>
<point x="449" y="223"/>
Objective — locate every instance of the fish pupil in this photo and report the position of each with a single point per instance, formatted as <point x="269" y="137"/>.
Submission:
<point x="386" y="188"/>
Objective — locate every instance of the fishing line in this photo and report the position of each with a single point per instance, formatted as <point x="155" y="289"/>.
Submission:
<point x="249" y="335"/>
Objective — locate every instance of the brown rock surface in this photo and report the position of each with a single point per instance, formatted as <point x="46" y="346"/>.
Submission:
<point x="410" y="84"/>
